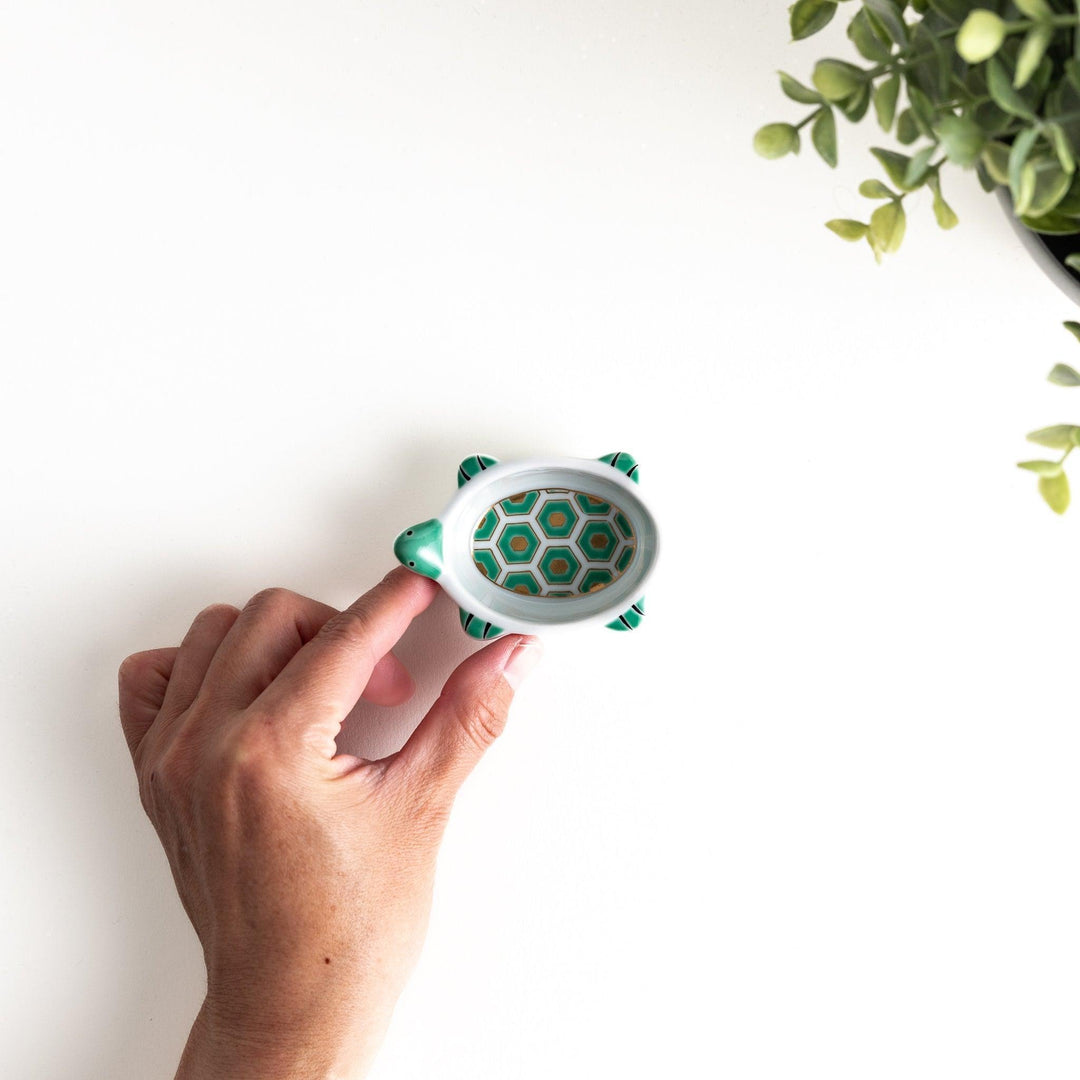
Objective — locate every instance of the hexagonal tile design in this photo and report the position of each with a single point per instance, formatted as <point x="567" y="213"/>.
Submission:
<point x="591" y="505"/>
<point x="488" y="523"/>
<point x="486" y="563"/>
<point x="598" y="541"/>
<point x="521" y="503"/>
<point x="523" y="582"/>
<point x="551" y="542"/>
<point x="518" y="543"/>
<point x="596" y="579"/>
<point x="557" y="518"/>
<point x="559" y="565"/>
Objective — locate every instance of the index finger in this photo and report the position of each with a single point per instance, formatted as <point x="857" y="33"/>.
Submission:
<point x="323" y="681"/>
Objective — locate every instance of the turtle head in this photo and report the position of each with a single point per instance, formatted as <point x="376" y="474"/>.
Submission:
<point x="420" y="548"/>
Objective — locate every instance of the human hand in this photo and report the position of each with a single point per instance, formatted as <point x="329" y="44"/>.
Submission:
<point x="307" y="874"/>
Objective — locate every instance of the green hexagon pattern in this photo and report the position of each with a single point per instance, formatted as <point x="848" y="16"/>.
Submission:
<point x="518" y="543"/>
<point x="551" y="542"/>
<point x="559" y="565"/>
<point x="557" y="518"/>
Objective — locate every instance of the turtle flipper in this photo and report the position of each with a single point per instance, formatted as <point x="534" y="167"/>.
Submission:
<point x="472" y="465"/>
<point x="631" y="618"/>
<point x="475" y="627"/>
<point x="624" y="462"/>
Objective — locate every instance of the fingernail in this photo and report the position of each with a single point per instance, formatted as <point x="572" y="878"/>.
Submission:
<point x="522" y="659"/>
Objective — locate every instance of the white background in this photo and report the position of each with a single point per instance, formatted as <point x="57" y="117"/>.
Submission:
<point x="269" y="270"/>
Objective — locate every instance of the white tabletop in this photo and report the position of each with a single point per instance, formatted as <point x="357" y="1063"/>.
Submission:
<point x="268" y="271"/>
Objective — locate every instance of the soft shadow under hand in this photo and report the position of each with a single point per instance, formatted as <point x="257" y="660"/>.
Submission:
<point x="432" y="647"/>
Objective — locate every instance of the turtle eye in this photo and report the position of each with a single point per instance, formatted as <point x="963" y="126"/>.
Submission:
<point x="412" y="564"/>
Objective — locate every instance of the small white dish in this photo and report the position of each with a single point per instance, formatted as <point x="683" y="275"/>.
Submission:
<point x="525" y="546"/>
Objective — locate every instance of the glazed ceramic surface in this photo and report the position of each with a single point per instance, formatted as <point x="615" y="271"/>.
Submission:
<point x="1040" y="250"/>
<point x="529" y="545"/>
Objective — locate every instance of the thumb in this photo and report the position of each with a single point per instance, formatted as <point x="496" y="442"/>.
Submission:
<point x="469" y="715"/>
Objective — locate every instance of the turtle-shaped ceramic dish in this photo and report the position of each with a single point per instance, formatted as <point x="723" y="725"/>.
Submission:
<point x="528" y="545"/>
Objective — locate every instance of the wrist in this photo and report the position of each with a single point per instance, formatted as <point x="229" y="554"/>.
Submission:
<point x="288" y="1040"/>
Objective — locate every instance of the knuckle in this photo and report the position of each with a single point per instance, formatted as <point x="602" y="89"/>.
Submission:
<point x="481" y="720"/>
<point x="215" y="613"/>
<point x="218" y="610"/>
<point x="351" y="628"/>
<point x="161" y="779"/>
<point x="171" y="770"/>
<point x="136" y="670"/>
<point x="130" y="668"/>
<point x="274" y="601"/>
<point x="241" y="763"/>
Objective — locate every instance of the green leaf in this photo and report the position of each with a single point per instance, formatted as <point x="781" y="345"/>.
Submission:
<point x="1051" y="185"/>
<point x="854" y="107"/>
<point x="837" y="79"/>
<point x="887" y="226"/>
<point x="1005" y="95"/>
<point x="1040" y="83"/>
<point x="797" y="92"/>
<point x="1070" y="205"/>
<point x="1043" y="468"/>
<point x="995" y="157"/>
<point x="863" y="36"/>
<point x="954" y="11"/>
<point x="933" y="74"/>
<point x="1035" y="9"/>
<point x="894" y="164"/>
<point x="1073" y="261"/>
<point x="962" y="139"/>
<point x="907" y="128"/>
<point x="997" y="123"/>
<point x="922" y="108"/>
<point x="1025" y="189"/>
<point x="1072" y="73"/>
<point x="823" y="136"/>
<point x="1057" y="437"/>
<point x="1031" y="53"/>
<point x="776" y="140"/>
<point x="809" y="16"/>
<point x="1062" y="147"/>
<point x="875" y="189"/>
<point x="1063" y="375"/>
<point x="886" y="94"/>
<point x="1052" y="224"/>
<point x="915" y="173"/>
<point x="847" y="229"/>
<point x="1018" y="157"/>
<point x="1072" y="327"/>
<point x="981" y="36"/>
<point x="1043" y="185"/>
<point x="890" y="14"/>
<point x="943" y="212"/>
<point x="1055" y="490"/>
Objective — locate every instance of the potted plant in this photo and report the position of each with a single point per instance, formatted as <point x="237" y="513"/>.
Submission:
<point x="992" y="86"/>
